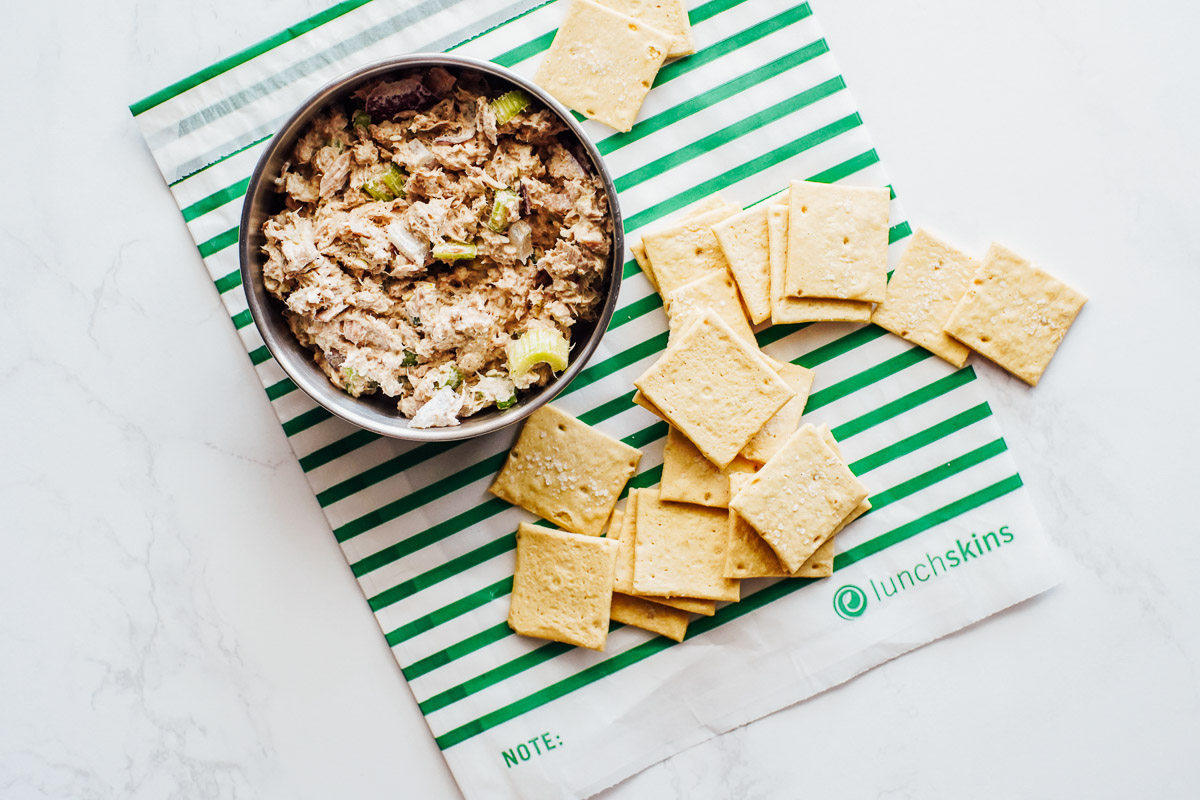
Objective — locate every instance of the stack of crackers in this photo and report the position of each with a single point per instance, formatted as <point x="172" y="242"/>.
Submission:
<point x="747" y="490"/>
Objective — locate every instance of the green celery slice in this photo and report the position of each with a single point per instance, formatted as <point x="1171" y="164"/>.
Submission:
<point x="537" y="346"/>
<point x="504" y="209"/>
<point x="509" y="104"/>
<point x="455" y="251"/>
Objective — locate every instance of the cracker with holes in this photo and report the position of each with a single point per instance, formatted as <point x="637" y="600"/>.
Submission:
<point x="787" y="419"/>
<point x="623" y="575"/>
<point x="928" y="282"/>
<point x="716" y="292"/>
<point x="800" y="497"/>
<point x="743" y="240"/>
<point x="566" y="471"/>
<point x="837" y="242"/>
<point x="638" y="248"/>
<point x="748" y="555"/>
<point x="679" y="550"/>
<point x="796" y="309"/>
<point x="1015" y="314"/>
<point x="687" y="250"/>
<point x="669" y="16"/>
<point x="715" y="388"/>
<point x="861" y="508"/>
<point x="689" y="477"/>
<point x="602" y="63"/>
<point x="562" y="586"/>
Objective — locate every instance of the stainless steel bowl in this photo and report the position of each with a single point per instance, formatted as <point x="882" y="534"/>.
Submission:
<point x="379" y="413"/>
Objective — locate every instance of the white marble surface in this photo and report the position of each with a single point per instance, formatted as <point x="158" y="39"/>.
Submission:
<point x="164" y="633"/>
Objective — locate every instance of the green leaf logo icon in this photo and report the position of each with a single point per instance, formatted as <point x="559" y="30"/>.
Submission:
<point x="849" y="601"/>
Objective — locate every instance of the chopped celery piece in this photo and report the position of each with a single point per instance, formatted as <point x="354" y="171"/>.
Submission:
<point x="509" y="104"/>
<point x="509" y="403"/>
<point x="504" y="210"/>
<point x="362" y="119"/>
<point x="378" y="191"/>
<point x="455" y="251"/>
<point x="409" y="360"/>
<point x="537" y="346"/>
<point x="394" y="179"/>
<point x="455" y="380"/>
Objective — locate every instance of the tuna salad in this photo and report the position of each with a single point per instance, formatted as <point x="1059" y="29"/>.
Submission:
<point x="438" y="243"/>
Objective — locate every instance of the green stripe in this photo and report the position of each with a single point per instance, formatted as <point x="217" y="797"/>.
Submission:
<point x="717" y="94"/>
<point x="242" y="56"/>
<point x="884" y="369"/>
<point x="743" y="171"/>
<point x="322" y="456"/>
<point x="898" y="232"/>
<point x="227" y="282"/>
<point x="906" y="403"/>
<point x="710" y="10"/>
<point x="432" y="534"/>
<point x="538" y="655"/>
<point x="280" y="388"/>
<point x="839" y="346"/>
<point x="242" y="318"/>
<point x="218" y="242"/>
<point x="892" y="452"/>
<point x="918" y="440"/>
<point x="303" y="422"/>
<point x="637" y="308"/>
<point x="457" y="650"/>
<point x="420" y="497"/>
<point x="527" y="50"/>
<point x="225" y="157"/>
<point x="455" y="609"/>
<point x="847" y="168"/>
<point x="215" y="200"/>
<point x="497" y="26"/>
<point x="682" y="66"/>
<point x="730" y="612"/>
<point x="259" y="354"/>
<point x="741" y="128"/>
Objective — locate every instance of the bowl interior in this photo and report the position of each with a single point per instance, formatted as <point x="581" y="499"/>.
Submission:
<point x="378" y="413"/>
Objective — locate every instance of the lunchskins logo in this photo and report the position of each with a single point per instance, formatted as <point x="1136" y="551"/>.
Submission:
<point x="850" y="601"/>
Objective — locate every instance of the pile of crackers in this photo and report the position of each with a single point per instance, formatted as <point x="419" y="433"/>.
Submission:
<point x="606" y="54"/>
<point x="747" y="490"/>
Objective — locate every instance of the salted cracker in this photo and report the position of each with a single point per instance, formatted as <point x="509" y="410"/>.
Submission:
<point x="648" y="615"/>
<point x="623" y="573"/>
<point x="927" y="284"/>
<point x="864" y="506"/>
<point x="837" y="242"/>
<point x="799" y="497"/>
<point x="715" y="291"/>
<point x="602" y="63"/>
<point x="679" y="550"/>
<point x="715" y="388"/>
<point x="702" y="206"/>
<point x="566" y="471"/>
<point x="562" y="586"/>
<point x="748" y="555"/>
<point x="743" y="240"/>
<point x="669" y="16"/>
<point x="687" y="250"/>
<point x="1015" y="314"/>
<point x="689" y="477"/>
<point x="787" y="419"/>
<point x="795" y="309"/>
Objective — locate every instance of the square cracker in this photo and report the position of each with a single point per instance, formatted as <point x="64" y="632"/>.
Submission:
<point x="679" y="550"/>
<point x="687" y="250"/>
<point x="648" y="615"/>
<point x="643" y="261"/>
<point x="715" y="291"/>
<point x="800" y="497"/>
<point x="669" y="16"/>
<point x="837" y="242"/>
<point x="749" y="556"/>
<point x="862" y="507"/>
<point x="1015" y="314"/>
<point x="566" y="471"/>
<point x="928" y="282"/>
<point x="743" y="240"/>
<point x="715" y="388"/>
<point x="602" y="63"/>
<point x="703" y="206"/>
<point x="787" y="419"/>
<point x="689" y="477"/>
<point x="562" y="586"/>
<point x="623" y="574"/>
<point x="795" y="309"/>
